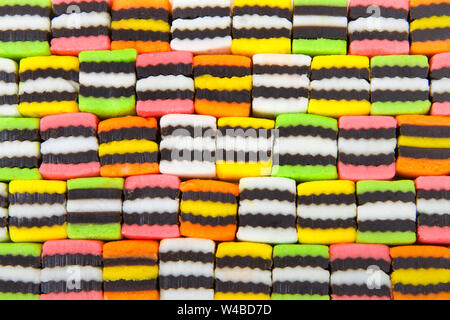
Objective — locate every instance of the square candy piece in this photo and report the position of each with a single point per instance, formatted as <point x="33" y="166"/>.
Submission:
<point x="80" y="25"/>
<point x="164" y="84"/>
<point x="367" y="146"/>
<point x="150" y="207"/>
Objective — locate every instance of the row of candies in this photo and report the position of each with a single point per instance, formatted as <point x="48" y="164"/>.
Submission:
<point x="198" y="269"/>
<point x="313" y="27"/>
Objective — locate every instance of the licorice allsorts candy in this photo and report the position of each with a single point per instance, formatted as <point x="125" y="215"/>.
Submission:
<point x="72" y="270"/>
<point x="188" y="145"/>
<point x="320" y="27"/>
<point x="164" y="84"/>
<point x="340" y="86"/>
<point x="4" y="235"/>
<point x="367" y="146"/>
<point x="424" y="146"/>
<point x="305" y="147"/>
<point x="300" y="272"/>
<point x="127" y="146"/>
<point x="24" y="28"/>
<point x="201" y="27"/>
<point x="360" y="272"/>
<point x="70" y="147"/>
<point x="440" y="84"/>
<point x="37" y="210"/>
<point x="244" y="147"/>
<point x="430" y="26"/>
<point x="186" y="269"/>
<point x="48" y="85"/>
<point x="399" y="85"/>
<point x="261" y="26"/>
<point x="208" y="209"/>
<point x="433" y="210"/>
<point x="243" y="271"/>
<point x="140" y="24"/>
<point x="150" y="207"/>
<point x="130" y="270"/>
<point x="326" y="212"/>
<point x="223" y="85"/>
<point x="80" y="25"/>
<point x="267" y="211"/>
<point x="107" y="82"/>
<point x="378" y="27"/>
<point x="386" y="212"/>
<point x="9" y="89"/>
<point x="19" y="149"/>
<point x="420" y="273"/>
<point x="94" y="208"/>
<point x="20" y="271"/>
<point x="280" y="84"/>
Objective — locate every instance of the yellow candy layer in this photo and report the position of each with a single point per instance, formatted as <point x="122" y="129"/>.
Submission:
<point x="420" y="142"/>
<point x="243" y="249"/>
<point x="136" y="273"/>
<point x="141" y="24"/>
<point x="430" y="23"/>
<point x="249" y="47"/>
<point x="208" y="208"/>
<point x="38" y="234"/>
<point x="326" y="236"/>
<point x="42" y="109"/>
<point x="214" y="83"/>
<point x="54" y="62"/>
<point x="127" y="146"/>
<point x="246" y="123"/>
<point x="240" y="296"/>
<point x="349" y="61"/>
<point x="37" y="186"/>
<point x="263" y="3"/>
<point x="236" y="171"/>
<point x="334" y="108"/>
<point x="326" y="187"/>
<point x="421" y="276"/>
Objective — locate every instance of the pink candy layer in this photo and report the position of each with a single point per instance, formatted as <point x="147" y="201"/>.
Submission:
<point x="53" y="171"/>
<point x="440" y="109"/>
<point x="155" y="180"/>
<point x="150" y="232"/>
<point x="78" y="1"/>
<point x="367" y="122"/>
<point x="91" y="295"/>
<point x="154" y="59"/>
<point x="433" y="183"/>
<point x="159" y="108"/>
<point x="371" y="48"/>
<point x="358" y="250"/>
<point x="334" y="297"/>
<point x="439" y="61"/>
<point x="69" y="119"/>
<point x="354" y="173"/>
<point x="74" y="45"/>
<point x="62" y="247"/>
<point x="433" y="235"/>
<point x="397" y="4"/>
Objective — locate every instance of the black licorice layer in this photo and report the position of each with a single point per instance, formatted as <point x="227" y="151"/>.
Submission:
<point x="359" y="263"/>
<point x="139" y="35"/>
<point x="320" y="11"/>
<point x="262" y="11"/>
<point x="164" y="70"/>
<point x="19" y="287"/>
<point x="379" y="35"/>
<point x="300" y="261"/>
<point x="144" y="157"/>
<point x="191" y="282"/>
<point x="69" y="131"/>
<point x="23" y="10"/>
<point x="186" y="256"/>
<point x="61" y="260"/>
<point x="326" y="223"/>
<point x="48" y="97"/>
<point x="151" y="192"/>
<point x="395" y="225"/>
<point x="361" y="160"/>
<point x="95" y="6"/>
<point x="209" y="196"/>
<point x="420" y="263"/>
<point x="300" y="130"/>
<point x="381" y="133"/>
<point x="433" y="220"/>
<point x="165" y="95"/>
<point x="425" y="131"/>
<point x="241" y="287"/>
<point x="140" y="13"/>
<point x="19" y="260"/>
<point x="65" y="286"/>
<point x="233" y="96"/>
<point x="300" y="287"/>
<point x="267" y="194"/>
<point x="306" y="160"/>
<point x="95" y="193"/>
<point x="81" y="32"/>
<point x="316" y="32"/>
<point x="129" y="285"/>
<point x="385" y="12"/>
<point x="200" y="12"/>
<point x="360" y="290"/>
<point x="286" y="93"/>
<point x="94" y="217"/>
<point x="36" y="198"/>
<point x="69" y="75"/>
<point x="256" y="220"/>
<point x="108" y="67"/>
<point x="208" y="221"/>
<point x="71" y="158"/>
<point x="138" y="133"/>
<point x="21" y="222"/>
<point x="328" y="73"/>
<point x="421" y="289"/>
<point x="429" y="10"/>
<point x="261" y="69"/>
<point x="371" y="197"/>
<point x="201" y="34"/>
<point x="159" y="218"/>
<point x="424" y="153"/>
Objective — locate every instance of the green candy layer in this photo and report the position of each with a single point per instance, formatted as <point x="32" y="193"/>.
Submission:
<point x="40" y="3"/>
<point x="305" y="173"/>
<point x="316" y="47"/>
<point x="388" y="237"/>
<point x="292" y="250"/>
<point x="108" y="107"/>
<point x="20" y="249"/>
<point x="400" y="107"/>
<point x="95" y="183"/>
<point x="278" y="296"/>
<point x="400" y="61"/>
<point x="22" y="49"/>
<point x="18" y="296"/>
<point x="19" y="123"/>
<point x="126" y="55"/>
<point x="90" y="231"/>
<point x="9" y="174"/>
<point x="384" y="186"/>
<point x="291" y="119"/>
<point x="328" y="3"/>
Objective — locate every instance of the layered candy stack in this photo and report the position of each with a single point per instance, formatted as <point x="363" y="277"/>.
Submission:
<point x="216" y="149"/>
